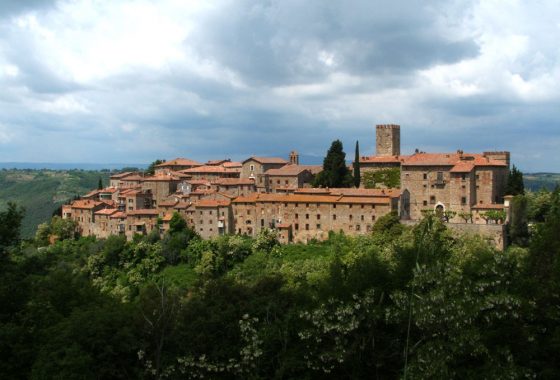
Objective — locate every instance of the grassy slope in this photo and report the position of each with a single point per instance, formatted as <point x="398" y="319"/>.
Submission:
<point x="42" y="191"/>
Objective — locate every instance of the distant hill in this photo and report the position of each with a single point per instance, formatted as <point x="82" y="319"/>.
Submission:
<point x="537" y="181"/>
<point x="67" y="166"/>
<point x="42" y="191"/>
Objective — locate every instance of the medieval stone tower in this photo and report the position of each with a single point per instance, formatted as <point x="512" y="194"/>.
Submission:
<point x="388" y="140"/>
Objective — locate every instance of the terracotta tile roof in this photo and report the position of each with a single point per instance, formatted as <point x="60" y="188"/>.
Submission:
<point x="462" y="167"/>
<point x="106" y="211"/>
<point x="217" y="162"/>
<point x="267" y="160"/>
<point x="352" y="192"/>
<point x="179" y="174"/>
<point x="91" y="194"/>
<point x="179" y="162"/>
<point x="109" y="190"/>
<point x="203" y="192"/>
<point x="382" y="159"/>
<point x="199" y="182"/>
<point x="119" y="215"/>
<point x="122" y="175"/>
<point x="366" y="200"/>
<point x="133" y="178"/>
<point x="313" y="190"/>
<point x="287" y="170"/>
<point x="209" y="169"/>
<point x="232" y="164"/>
<point x="129" y="192"/>
<point x="86" y="204"/>
<point x="449" y="159"/>
<point x="314" y="169"/>
<point x="234" y="181"/>
<point x="312" y="198"/>
<point x="211" y="203"/>
<point x="167" y="217"/>
<point x="161" y="178"/>
<point x="145" y="211"/>
<point x="181" y="206"/>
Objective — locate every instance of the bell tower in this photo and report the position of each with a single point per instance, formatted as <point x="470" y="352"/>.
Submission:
<point x="387" y="140"/>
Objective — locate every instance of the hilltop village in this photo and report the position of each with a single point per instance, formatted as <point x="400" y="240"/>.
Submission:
<point x="224" y="197"/>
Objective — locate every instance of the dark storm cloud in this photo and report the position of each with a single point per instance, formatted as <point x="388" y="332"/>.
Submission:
<point x="283" y="42"/>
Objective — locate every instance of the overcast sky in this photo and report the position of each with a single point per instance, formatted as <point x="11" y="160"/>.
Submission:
<point x="132" y="81"/>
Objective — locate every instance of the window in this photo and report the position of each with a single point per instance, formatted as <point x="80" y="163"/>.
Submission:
<point x="350" y="206"/>
<point x="463" y="200"/>
<point x="333" y="206"/>
<point x="307" y="205"/>
<point x="373" y="218"/>
<point x="350" y="217"/>
<point x="362" y="206"/>
<point x="262" y="222"/>
<point x="306" y="216"/>
<point x="200" y="212"/>
<point x="432" y="199"/>
<point x="286" y="182"/>
<point x="307" y="227"/>
<point x="318" y="216"/>
<point x="357" y="227"/>
<point x="285" y="205"/>
<point x="425" y="203"/>
<point x="334" y="217"/>
<point x="477" y="177"/>
<point x="210" y="212"/>
<point x="296" y="226"/>
<point x="362" y="217"/>
<point x="425" y="175"/>
<point x="252" y="168"/>
<point x="439" y="177"/>
<point x="296" y="216"/>
<point x="278" y="182"/>
<point x="318" y="226"/>
<point x="248" y="212"/>
<point x="463" y="176"/>
<point x="130" y="200"/>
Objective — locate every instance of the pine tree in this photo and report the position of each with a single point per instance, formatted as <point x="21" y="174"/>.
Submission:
<point x="357" y="175"/>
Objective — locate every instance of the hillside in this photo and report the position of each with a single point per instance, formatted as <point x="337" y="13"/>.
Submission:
<point x="536" y="181"/>
<point x="42" y="191"/>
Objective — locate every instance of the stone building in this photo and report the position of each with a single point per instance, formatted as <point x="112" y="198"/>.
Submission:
<point x="161" y="186"/>
<point x="176" y="165"/>
<point x="234" y="186"/>
<point x="134" y="199"/>
<point x="255" y="167"/>
<point x="210" y="217"/>
<point x="303" y="216"/>
<point x="452" y="181"/>
<point x="83" y="213"/>
<point x="287" y="178"/>
<point x="211" y="172"/>
<point x="141" y="222"/>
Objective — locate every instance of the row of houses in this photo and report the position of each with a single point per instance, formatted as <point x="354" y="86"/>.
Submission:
<point x="224" y="197"/>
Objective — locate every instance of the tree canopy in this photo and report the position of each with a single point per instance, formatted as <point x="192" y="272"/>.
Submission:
<point x="335" y="172"/>
<point x="514" y="185"/>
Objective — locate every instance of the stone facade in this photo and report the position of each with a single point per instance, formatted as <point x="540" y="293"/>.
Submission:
<point x="388" y="140"/>
<point x="255" y="167"/>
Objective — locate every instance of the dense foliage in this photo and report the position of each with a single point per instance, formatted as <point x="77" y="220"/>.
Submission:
<point x="335" y="172"/>
<point x="42" y="191"/>
<point x="514" y="184"/>
<point x="382" y="178"/>
<point x="402" y="302"/>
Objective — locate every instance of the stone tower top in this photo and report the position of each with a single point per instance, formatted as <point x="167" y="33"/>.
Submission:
<point x="294" y="157"/>
<point x="388" y="140"/>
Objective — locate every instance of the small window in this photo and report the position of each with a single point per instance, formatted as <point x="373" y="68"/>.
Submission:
<point x="373" y="218"/>
<point x="463" y="200"/>
<point x="262" y="222"/>
<point x="318" y="216"/>
<point x="425" y="175"/>
<point x="362" y="217"/>
<point x="350" y="217"/>
<point x="334" y="206"/>
<point x="306" y="216"/>
<point x="307" y="227"/>
<point x="350" y="206"/>
<point x="285" y="205"/>
<point x="432" y="199"/>
<point x="296" y="226"/>
<point x="210" y="212"/>
<point x="440" y="176"/>
<point x="252" y="168"/>
<point x="425" y="203"/>
<point x="463" y="176"/>
<point x="334" y="217"/>
<point x="318" y="226"/>
<point x="278" y="182"/>
<point x="357" y="227"/>
<point x="307" y="205"/>
<point x="286" y="182"/>
<point x="296" y="216"/>
<point x="362" y="206"/>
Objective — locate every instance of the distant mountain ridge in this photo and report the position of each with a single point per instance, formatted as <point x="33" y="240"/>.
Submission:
<point x="67" y="166"/>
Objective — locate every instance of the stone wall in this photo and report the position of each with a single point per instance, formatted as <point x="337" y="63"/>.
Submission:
<point x="388" y="140"/>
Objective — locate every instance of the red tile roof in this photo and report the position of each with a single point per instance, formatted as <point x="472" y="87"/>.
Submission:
<point x="307" y="198"/>
<point x="86" y="204"/>
<point x="267" y="160"/>
<point x="179" y="162"/>
<point x="234" y="181"/>
<point x="217" y="162"/>
<point x="382" y="159"/>
<point x="119" y="215"/>
<point x="287" y="170"/>
<point x="122" y="175"/>
<point x="106" y="211"/>
<point x="161" y="178"/>
<point x="449" y="159"/>
<point x="209" y="169"/>
<point x="211" y="203"/>
<point x="232" y="164"/>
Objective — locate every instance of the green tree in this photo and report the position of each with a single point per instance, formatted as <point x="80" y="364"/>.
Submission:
<point x="515" y="184"/>
<point x="10" y="225"/>
<point x="357" y="175"/>
<point x="152" y="168"/>
<point x="100" y="184"/>
<point x="335" y="172"/>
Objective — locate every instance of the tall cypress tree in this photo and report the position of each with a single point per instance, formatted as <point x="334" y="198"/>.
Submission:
<point x="335" y="172"/>
<point x="357" y="166"/>
<point x="515" y="184"/>
<point x="100" y="184"/>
